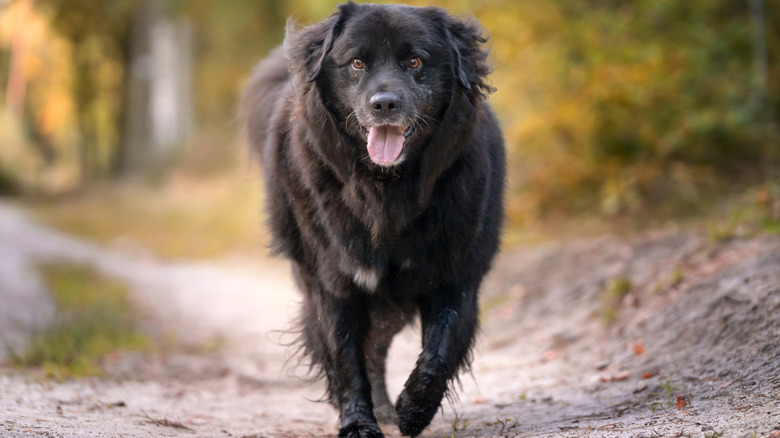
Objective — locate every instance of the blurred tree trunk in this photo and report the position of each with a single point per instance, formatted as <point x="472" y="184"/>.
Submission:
<point x="759" y="101"/>
<point x="84" y="97"/>
<point x="16" y="86"/>
<point x="39" y="139"/>
<point x="158" y="109"/>
<point x="118" y="160"/>
<point x="758" y="97"/>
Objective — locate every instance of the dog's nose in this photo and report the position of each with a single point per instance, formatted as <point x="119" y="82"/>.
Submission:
<point x="385" y="103"/>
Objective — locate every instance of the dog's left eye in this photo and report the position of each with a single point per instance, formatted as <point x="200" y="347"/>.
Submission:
<point x="414" y="62"/>
<point x="357" y="64"/>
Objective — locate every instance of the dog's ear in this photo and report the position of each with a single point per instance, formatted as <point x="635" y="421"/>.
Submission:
<point x="306" y="49"/>
<point x="469" y="58"/>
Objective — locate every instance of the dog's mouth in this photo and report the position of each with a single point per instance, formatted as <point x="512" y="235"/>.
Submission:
<point x="385" y="143"/>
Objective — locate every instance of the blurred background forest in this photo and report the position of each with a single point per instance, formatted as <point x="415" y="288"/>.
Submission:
<point x="120" y="117"/>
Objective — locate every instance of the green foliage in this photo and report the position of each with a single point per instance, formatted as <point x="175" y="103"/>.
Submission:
<point x="612" y="295"/>
<point x="618" y="288"/>
<point x="668" y="390"/>
<point x="232" y="36"/>
<point x="99" y="35"/>
<point x="94" y="318"/>
<point x="752" y="212"/>
<point x="677" y="277"/>
<point x="619" y="107"/>
<point x="609" y="108"/>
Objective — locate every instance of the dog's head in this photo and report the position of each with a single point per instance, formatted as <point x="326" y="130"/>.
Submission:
<point x="388" y="74"/>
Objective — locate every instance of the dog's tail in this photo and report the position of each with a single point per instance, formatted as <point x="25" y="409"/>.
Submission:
<point x="261" y="97"/>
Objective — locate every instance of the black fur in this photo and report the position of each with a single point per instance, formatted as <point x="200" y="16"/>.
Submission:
<point x="372" y="245"/>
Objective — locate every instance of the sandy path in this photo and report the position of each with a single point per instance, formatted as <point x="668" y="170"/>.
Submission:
<point x="545" y="365"/>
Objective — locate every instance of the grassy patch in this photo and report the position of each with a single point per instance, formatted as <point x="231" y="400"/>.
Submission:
<point x="720" y="215"/>
<point x="667" y="394"/>
<point x="612" y="295"/>
<point x="754" y="212"/>
<point x="94" y="318"/>
<point x="488" y="306"/>
<point x="186" y="218"/>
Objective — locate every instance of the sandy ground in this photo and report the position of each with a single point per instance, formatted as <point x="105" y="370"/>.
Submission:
<point x="692" y="349"/>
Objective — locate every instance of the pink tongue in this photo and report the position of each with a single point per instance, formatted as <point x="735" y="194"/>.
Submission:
<point x="385" y="143"/>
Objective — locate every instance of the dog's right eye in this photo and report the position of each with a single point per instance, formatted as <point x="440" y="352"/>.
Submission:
<point x="357" y="64"/>
<point x="414" y="63"/>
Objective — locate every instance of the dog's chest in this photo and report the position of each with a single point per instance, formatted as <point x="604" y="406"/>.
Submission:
<point x="370" y="279"/>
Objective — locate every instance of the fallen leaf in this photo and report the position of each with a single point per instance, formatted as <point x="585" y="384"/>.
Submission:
<point x="649" y="375"/>
<point x="551" y="355"/>
<point x="681" y="403"/>
<point x="639" y="347"/>
<point x="623" y="375"/>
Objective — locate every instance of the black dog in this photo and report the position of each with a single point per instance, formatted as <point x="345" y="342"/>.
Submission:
<point x="384" y="173"/>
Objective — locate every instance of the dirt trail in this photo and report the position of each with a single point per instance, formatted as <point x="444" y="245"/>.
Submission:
<point x="697" y="330"/>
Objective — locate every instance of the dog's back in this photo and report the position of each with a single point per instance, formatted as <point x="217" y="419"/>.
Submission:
<point x="261" y="97"/>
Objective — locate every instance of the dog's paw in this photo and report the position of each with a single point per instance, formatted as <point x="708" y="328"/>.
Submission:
<point x="413" y="417"/>
<point x="361" y="430"/>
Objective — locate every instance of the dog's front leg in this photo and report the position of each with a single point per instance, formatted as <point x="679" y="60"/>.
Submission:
<point x="346" y="371"/>
<point x="449" y="322"/>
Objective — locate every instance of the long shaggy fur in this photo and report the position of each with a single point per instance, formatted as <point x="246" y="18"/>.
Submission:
<point x="374" y="245"/>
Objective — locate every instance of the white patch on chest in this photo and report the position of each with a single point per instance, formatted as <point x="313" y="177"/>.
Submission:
<point x="367" y="278"/>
